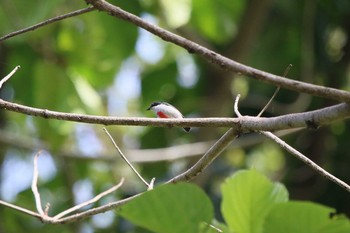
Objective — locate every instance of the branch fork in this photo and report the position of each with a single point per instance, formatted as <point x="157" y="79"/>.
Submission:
<point x="42" y="214"/>
<point x="295" y="152"/>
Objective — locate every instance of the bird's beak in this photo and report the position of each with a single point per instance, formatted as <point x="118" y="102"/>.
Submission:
<point x="149" y="108"/>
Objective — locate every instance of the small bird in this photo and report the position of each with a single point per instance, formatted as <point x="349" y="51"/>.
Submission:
<point x="165" y="110"/>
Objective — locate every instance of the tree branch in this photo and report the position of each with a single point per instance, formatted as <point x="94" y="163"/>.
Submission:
<point x="137" y="155"/>
<point x="149" y="185"/>
<point x="311" y="119"/>
<point x="20" y="209"/>
<point x="223" y="62"/>
<point x="101" y="209"/>
<point x="307" y="161"/>
<point x="43" y="214"/>
<point x="35" y="187"/>
<point x="208" y="157"/>
<point x="93" y="200"/>
<point x="46" y="22"/>
<point x="7" y="77"/>
<point x="299" y="155"/>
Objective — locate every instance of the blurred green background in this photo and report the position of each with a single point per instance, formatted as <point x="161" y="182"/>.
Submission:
<point x="97" y="64"/>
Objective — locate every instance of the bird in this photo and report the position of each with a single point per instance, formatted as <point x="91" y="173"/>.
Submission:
<point x="165" y="110"/>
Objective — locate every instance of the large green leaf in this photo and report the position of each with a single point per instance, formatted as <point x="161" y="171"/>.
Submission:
<point x="304" y="217"/>
<point x="247" y="198"/>
<point x="170" y="209"/>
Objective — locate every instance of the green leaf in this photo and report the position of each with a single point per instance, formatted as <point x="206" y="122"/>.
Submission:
<point x="170" y="209"/>
<point x="247" y="198"/>
<point x="297" y="216"/>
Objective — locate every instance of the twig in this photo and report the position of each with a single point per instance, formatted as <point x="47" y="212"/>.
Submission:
<point x="306" y="160"/>
<point x="300" y="156"/>
<point x="221" y="61"/>
<point x="35" y="186"/>
<point x="149" y="187"/>
<point x="136" y="155"/>
<point x="21" y="209"/>
<point x="95" y="199"/>
<point x="208" y="157"/>
<point x="43" y="215"/>
<point x="235" y="106"/>
<point x="101" y="209"/>
<point x="246" y="123"/>
<point x="46" y="22"/>
<point x="275" y="93"/>
<point x="7" y="77"/>
<point x="269" y="102"/>
<point x="47" y="207"/>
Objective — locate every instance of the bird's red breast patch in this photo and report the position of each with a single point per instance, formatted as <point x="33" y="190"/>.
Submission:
<point x="162" y="115"/>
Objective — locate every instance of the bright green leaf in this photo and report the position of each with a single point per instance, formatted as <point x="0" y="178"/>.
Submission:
<point x="304" y="217"/>
<point x="247" y="198"/>
<point x="170" y="209"/>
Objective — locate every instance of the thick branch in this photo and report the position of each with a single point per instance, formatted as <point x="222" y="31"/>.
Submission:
<point x="312" y="119"/>
<point x="223" y="62"/>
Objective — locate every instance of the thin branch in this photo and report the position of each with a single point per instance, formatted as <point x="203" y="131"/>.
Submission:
<point x="43" y="215"/>
<point x="35" y="186"/>
<point x="275" y="93"/>
<point x="127" y="161"/>
<point x="311" y="119"/>
<point x="269" y="102"/>
<point x="7" y="77"/>
<point x="136" y="155"/>
<point x="223" y="62"/>
<point x="46" y="22"/>
<point x="93" y="200"/>
<point x="21" y="209"/>
<point x="101" y="209"/>
<point x="208" y="157"/>
<point x="235" y="106"/>
<point x="302" y="157"/>
<point x="307" y="161"/>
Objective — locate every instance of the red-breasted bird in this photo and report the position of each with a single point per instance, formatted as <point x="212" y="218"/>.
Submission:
<point x="165" y="110"/>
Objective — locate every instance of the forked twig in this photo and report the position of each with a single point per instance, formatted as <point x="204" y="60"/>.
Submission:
<point x="95" y="199"/>
<point x="299" y="155"/>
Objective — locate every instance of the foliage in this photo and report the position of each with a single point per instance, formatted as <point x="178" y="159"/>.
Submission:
<point x="170" y="208"/>
<point x="250" y="204"/>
